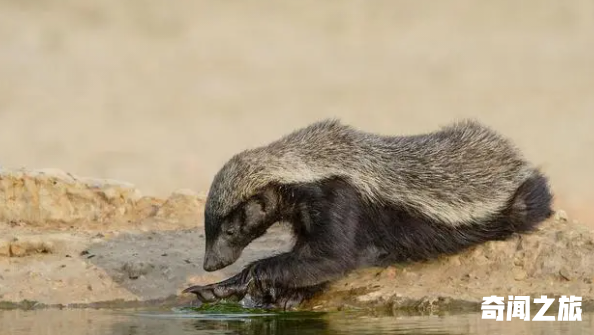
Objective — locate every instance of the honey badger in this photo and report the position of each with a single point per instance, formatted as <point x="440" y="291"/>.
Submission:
<point x="356" y="199"/>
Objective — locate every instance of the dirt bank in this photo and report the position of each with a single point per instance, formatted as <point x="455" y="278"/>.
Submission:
<point x="66" y="240"/>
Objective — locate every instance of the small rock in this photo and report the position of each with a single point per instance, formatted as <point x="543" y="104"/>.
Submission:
<point x="34" y="274"/>
<point x="455" y="261"/>
<point x="135" y="270"/>
<point x="565" y="274"/>
<point x="16" y="250"/>
<point x="390" y="272"/>
<point x="519" y="274"/>
<point x="518" y="262"/>
<point x="561" y="215"/>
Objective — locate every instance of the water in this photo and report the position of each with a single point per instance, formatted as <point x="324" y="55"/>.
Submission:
<point x="172" y="322"/>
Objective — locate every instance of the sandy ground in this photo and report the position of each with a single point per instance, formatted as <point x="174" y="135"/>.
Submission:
<point x="161" y="95"/>
<point x="121" y="264"/>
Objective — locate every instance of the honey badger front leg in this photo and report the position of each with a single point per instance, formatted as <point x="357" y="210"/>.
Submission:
<point x="280" y="281"/>
<point x="326" y="226"/>
<point x="319" y="256"/>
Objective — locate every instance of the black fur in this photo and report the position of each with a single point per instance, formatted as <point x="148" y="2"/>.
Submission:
<point x="338" y="231"/>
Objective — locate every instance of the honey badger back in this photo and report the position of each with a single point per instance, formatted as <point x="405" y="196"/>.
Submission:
<point x="357" y="199"/>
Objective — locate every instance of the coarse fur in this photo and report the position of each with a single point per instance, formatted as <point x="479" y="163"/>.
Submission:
<point x="358" y="199"/>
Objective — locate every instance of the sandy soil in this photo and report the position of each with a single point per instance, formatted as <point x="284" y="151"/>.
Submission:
<point x="75" y="266"/>
<point x="161" y="95"/>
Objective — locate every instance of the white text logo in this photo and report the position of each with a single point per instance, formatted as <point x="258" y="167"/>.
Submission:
<point x="518" y="307"/>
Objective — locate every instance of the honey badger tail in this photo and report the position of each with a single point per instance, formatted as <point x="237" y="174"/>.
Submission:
<point x="531" y="204"/>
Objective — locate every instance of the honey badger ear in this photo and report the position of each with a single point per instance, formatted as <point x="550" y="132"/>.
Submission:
<point x="261" y="208"/>
<point x="254" y="212"/>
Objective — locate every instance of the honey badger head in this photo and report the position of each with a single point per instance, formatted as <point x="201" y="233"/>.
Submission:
<point x="240" y="207"/>
<point x="244" y="199"/>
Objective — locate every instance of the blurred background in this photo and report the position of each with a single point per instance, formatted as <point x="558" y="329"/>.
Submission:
<point x="161" y="93"/>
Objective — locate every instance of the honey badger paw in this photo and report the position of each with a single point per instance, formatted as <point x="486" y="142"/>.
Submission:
<point x="264" y="296"/>
<point x="286" y="302"/>
<point x="231" y="287"/>
<point x="210" y="293"/>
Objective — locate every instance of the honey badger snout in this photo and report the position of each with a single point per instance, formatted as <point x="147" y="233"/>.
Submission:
<point x="220" y="255"/>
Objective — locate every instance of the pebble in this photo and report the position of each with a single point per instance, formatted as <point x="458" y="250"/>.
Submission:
<point x="561" y="215"/>
<point x="135" y="270"/>
<point x="564" y="272"/>
<point x="519" y="274"/>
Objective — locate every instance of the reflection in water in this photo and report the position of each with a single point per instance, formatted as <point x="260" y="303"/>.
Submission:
<point x="194" y="323"/>
<point x="136" y="322"/>
<point x="264" y="326"/>
<point x="270" y="325"/>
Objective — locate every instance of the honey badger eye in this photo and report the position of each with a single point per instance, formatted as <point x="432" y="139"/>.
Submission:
<point x="230" y="231"/>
